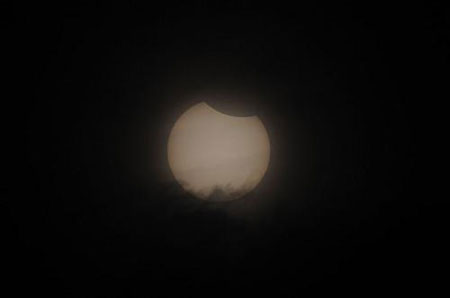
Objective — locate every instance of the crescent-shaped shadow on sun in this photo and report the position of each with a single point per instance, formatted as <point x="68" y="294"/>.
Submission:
<point x="215" y="156"/>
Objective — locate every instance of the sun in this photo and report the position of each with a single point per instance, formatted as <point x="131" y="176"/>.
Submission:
<point x="215" y="156"/>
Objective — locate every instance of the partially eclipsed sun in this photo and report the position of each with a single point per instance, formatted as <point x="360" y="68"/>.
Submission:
<point x="215" y="156"/>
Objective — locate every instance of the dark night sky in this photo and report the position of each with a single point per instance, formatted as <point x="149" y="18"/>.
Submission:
<point x="90" y="209"/>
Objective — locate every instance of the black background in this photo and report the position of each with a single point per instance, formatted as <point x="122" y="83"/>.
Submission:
<point x="90" y="209"/>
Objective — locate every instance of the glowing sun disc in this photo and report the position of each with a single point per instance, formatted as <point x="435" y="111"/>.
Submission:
<point x="215" y="156"/>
